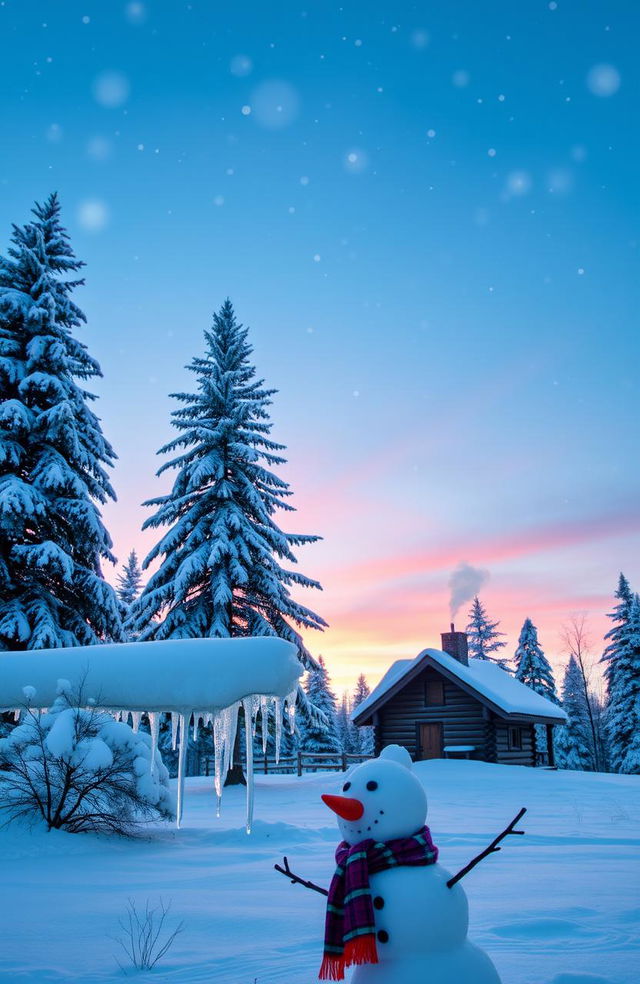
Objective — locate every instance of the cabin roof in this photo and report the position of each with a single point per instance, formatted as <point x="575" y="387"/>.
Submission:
<point x="483" y="679"/>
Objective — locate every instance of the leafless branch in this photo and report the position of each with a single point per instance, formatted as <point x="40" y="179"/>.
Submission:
<point x="296" y="880"/>
<point x="491" y="849"/>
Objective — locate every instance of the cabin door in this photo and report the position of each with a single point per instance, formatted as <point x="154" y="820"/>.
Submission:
<point x="431" y="740"/>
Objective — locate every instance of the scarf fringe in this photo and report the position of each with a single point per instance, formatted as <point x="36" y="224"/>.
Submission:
<point x="332" y="968"/>
<point x="361" y="950"/>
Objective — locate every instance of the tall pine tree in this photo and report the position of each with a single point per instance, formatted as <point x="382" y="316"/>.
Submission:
<point x="485" y="641"/>
<point x="345" y="728"/>
<point x="53" y="454"/>
<point x="623" y="710"/>
<point x="226" y="567"/>
<point x="532" y="666"/>
<point x="533" y="669"/>
<point x="364" y="742"/>
<point x="573" y="740"/>
<point x="620" y="617"/>
<point x="129" y="580"/>
<point x="316" y="736"/>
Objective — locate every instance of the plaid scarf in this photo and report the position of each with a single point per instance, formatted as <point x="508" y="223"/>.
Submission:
<point x="350" y="933"/>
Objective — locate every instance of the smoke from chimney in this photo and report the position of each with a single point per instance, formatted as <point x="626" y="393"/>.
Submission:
<point x="465" y="582"/>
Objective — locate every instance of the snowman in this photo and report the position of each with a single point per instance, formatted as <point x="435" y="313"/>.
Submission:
<point x="393" y="912"/>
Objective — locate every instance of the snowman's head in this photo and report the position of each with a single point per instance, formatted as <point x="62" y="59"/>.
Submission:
<point x="381" y="798"/>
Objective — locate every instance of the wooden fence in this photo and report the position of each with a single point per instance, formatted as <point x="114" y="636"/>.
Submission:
<point x="299" y="763"/>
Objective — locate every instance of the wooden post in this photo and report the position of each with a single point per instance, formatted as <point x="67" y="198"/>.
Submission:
<point x="344" y="762"/>
<point x="299" y="763"/>
<point x="266" y="765"/>
<point x="551" y="756"/>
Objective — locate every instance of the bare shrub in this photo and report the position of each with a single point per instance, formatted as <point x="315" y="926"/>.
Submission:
<point x="78" y="769"/>
<point x="144" y="937"/>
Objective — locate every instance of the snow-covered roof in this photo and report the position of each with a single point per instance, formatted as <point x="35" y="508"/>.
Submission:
<point x="482" y="678"/>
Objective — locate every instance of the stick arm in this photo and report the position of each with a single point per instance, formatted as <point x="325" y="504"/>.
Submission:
<point x="491" y="849"/>
<point x="296" y="880"/>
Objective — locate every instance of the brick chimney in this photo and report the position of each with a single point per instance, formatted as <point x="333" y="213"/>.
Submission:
<point x="455" y="644"/>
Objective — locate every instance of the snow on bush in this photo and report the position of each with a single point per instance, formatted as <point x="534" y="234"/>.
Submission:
<point x="79" y="769"/>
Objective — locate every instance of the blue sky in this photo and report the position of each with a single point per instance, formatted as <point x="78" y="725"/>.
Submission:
<point x="428" y="215"/>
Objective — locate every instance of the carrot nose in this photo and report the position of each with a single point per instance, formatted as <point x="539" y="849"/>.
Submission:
<point x="344" y="806"/>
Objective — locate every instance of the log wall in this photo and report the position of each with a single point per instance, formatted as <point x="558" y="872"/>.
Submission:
<point x="465" y="721"/>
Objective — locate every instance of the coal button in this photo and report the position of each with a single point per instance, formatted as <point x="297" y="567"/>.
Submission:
<point x="378" y="902"/>
<point x="383" y="936"/>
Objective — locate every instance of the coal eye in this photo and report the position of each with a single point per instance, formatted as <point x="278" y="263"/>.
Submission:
<point x="346" y="786"/>
<point x="371" y="785"/>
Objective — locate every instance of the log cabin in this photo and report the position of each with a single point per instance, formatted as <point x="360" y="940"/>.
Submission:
<point x="444" y="705"/>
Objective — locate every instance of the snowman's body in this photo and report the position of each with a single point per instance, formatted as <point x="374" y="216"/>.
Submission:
<point x="421" y="924"/>
<point x="424" y="927"/>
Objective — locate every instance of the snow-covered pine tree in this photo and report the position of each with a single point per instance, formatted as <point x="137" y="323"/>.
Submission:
<point x="484" y="638"/>
<point x="576" y="640"/>
<point x="623" y="711"/>
<point x="221" y="572"/>
<point x="619" y="616"/>
<point x="364" y="741"/>
<point x="129" y="580"/>
<point x="346" y="730"/>
<point x="573" y="741"/>
<point x="533" y="669"/>
<point x="316" y="737"/>
<point x="53" y="454"/>
<point x="532" y="666"/>
<point x="128" y="589"/>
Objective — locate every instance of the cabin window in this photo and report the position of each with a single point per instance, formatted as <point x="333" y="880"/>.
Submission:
<point x="515" y="739"/>
<point x="434" y="693"/>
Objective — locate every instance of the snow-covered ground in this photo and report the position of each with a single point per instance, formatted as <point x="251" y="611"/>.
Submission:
<point x="559" y="906"/>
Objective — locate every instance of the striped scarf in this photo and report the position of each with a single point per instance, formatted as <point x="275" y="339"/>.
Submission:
<point x="350" y="933"/>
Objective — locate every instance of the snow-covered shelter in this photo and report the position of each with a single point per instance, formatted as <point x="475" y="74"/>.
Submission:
<point x="190" y="679"/>
<point x="443" y="704"/>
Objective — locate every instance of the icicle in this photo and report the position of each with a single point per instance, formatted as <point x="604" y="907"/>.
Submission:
<point x="234" y="712"/>
<point x="264" y="722"/>
<point x="247" y="704"/>
<point x="154" y="728"/>
<point x="182" y="756"/>
<point x="277" y="709"/>
<point x="255" y="707"/>
<point x="174" y="729"/>
<point x="219" y="756"/>
<point x="290" y="700"/>
<point x="196" y="719"/>
<point x="16" y="714"/>
<point x="135" y="719"/>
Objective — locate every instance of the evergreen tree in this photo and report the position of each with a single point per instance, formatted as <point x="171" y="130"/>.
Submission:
<point x="533" y="669"/>
<point x="128" y="590"/>
<point x="573" y="740"/>
<point x="364" y="742"/>
<point x="484" y="638"/>
<point x="53" y="455"/>
<point x="314" y="736"/>
<point x="347" y="731"/>
<point x="623" y="711"/>
<point x="532" y="666"/>
<point x="221" y="570"/>
<point x="129" y="580"/>
<point x="619" y="616"/>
